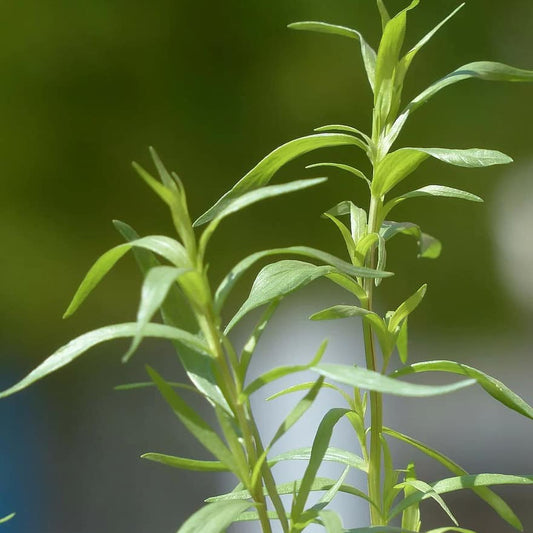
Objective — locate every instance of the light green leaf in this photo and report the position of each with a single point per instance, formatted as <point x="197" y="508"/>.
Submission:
<point x="186" y="464"/>
<point x="176" y="311"/>
<point x="384" y="14"/>
<point x="428" y="246"/>
<point x="321" y="484"/>
<point x="484" y="70"/>
<point x="331" y="521"/>
<point x="349" y="284"/>
<point x="402" y="342"/>
<point x="346" y="235"/>
<point x="491" y="385"/>
<point x="263" y="172"/>
<point x="461" y="482"/>
<point x="166" y="247"/>
<point x="343" y="127"/>
<point x="306" y="386"/>
<point x="408" y="58"/>
<point x="396" y="166"/>
<point x="388" y="529"/>
<point x="214" y="517"/>
<point x="446" y="529"/>
<point x="435" y="191"/>
<point x="234" y="275"/>
<point x="6" y="518"/>
<point x="277" y="280"/>
<point x="374" y="381"/>
<point x="194" y="422"/>
<point x="282" y="371"/>
<point x="155" y="288"/>
<point x="335" y="455"/>
<point x="297" y="411"/>
<point x="490" y="497"/>
<point x="318" y="450"/>
<point x="406" y="308"/>
<point x="253" y="516"/>
<point x="354" y="171"/>
<point x="149" y="384"/>
<point x="80" y="345"/>
<point x="411" y="515"/>
<point x="368" y="53"/>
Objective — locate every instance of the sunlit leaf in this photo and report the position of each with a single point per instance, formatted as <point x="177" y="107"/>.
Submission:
<point x="461" y="482"/>
<point x="186" y="464"/>
<point x="490" y="497"/>
<point x="235" y="274"/>
<point x="344" y="127"/>
<point x="384" y="14"/>
<point x="263" y="172"/>
<point x="6" y="518"/>
<point x="331" y="521"/>
<point x="491" y="385"/>
<point x="397" y="165"/>
<point x="374" y="381"/>
<point x="166" y="247"/>
<point x="214" y="517"/>
<point x="80" y="345"/>
<point x="354" y="171"/>
<point x="406" y="308"/>
<point x="155" y="288"/>
<point x="368" y="53"/>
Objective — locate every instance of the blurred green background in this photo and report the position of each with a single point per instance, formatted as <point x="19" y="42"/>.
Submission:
<point x="87" y="86"/>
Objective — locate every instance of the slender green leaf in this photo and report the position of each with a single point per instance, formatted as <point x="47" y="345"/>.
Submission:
<point x="389" y="529"/>
<point x="80" y="345"/>
<point x="282" y="371"/>
<point x="428" y="246"/>
<point x="234" y="275"/>
<point x="402" y="342"/>
<point x="194" y="422"/>
<point x="411" y="515"/>
<point x="354" y="171"/>
<point x="306" y="386"/>
<point x="397" y="165"/>
<point x="406" y="308"/>
<point x="384" y="14"/>
<point x="434" y="191"/>
<point x="263" y="172"/>
<point x="335" y="455"/>
<point x="154" y="291"/>
<point x="186" y="464"/>
<point x="367" y="52"/>
<point x="214" y="517"/>
<point x="446" y="529"/>
<point x="6" y="518"/>
<point x="350" y="285"/>
<point x="168" y="248"/>
<point x="318" y="450"/>
<point x="461" y="482"/>
<point x="346" y="235"/>
<point x="374" y="381"/>
<point x="176" y="311"/>
<point x="491" y="385"/>
<point x="343" y="127"/>
<point x="490" y="497"/>
<point x="484" y="70"/>
<point x="253" y="516"/>
<point x="331" y="521"/>
<point x="320" y="484"/>
<point x="149" y="384"/>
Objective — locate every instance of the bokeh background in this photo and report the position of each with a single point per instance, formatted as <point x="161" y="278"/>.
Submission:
<point x="87" y="86"/>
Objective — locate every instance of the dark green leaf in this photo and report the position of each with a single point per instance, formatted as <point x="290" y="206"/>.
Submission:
<point x="374" y="381"/>
<point x="193" y="422"/>
<point x="214" y="517"/>
<point x="81" y="344"/>
<point x="491" y="385"/>
<point x="368" y="53"/>
<point x="262" y="173"/>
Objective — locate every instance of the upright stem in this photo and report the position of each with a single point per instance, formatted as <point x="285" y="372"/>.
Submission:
<point x="376" y="402"/>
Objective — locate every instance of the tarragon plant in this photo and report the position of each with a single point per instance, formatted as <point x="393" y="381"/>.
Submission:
<point x="176" y="284"/>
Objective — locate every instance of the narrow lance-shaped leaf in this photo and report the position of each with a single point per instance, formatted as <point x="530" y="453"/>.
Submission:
<point x="155" y="288"/>
<point x="368" y="53"/>
<point x="80" y="345"/>
<point x="186" y="464"/>
<point x="193" y="422"/>
<point x="490" y="497"/>
<point x="374" y="381"/>
<point x="263" y="172"/>
<point x="344" y="127"/>
<point x="166" y="247"/>
<point x="491" y="385"/>
<point x="331" y="521"/>
<point x="354" y="171"/>
<point x="459" y="483"/>
<point x="214" y="517"/>
<point x="484" y="70"/>
<point x="6" y="518"/>
<point x="236" y="272"/>
<point x="406" y="308"/>
<point x="396" y="166"/>
<point x="384" y="14"/>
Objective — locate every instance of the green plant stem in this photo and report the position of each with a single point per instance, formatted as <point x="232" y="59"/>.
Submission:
<point x="376" y="401"/>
